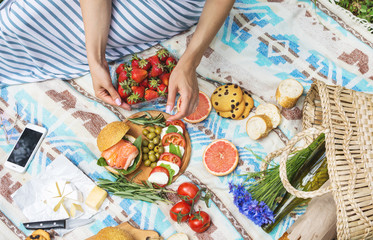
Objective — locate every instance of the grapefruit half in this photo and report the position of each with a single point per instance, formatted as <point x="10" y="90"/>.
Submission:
<point x="202" y="111"/>
<point x="220" y="157"/>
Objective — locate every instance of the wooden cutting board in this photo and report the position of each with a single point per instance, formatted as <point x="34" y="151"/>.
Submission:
<point x="137" y="234"/>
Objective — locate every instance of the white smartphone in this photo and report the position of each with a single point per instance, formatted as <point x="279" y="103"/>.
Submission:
<point x="25" y="148"/>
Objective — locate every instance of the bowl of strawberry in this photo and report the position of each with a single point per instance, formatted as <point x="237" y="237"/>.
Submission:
<point x="144" y="81"/>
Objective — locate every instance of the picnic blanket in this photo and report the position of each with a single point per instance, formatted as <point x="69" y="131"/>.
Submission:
<point x="260" y="44"/>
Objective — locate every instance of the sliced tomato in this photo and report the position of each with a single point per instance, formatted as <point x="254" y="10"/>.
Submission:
<point x="174" y="138"/>
<point x="176" y="123"/>
<point x="169" y="157"/>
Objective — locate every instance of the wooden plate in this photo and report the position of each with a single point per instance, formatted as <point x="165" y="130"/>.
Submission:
<point x="137" y="234"/>
<point x="136" y="130"/>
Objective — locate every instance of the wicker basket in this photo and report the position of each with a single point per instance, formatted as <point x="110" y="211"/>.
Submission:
<point x="346" y="118"/>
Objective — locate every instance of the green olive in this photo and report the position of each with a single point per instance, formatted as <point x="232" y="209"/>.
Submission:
<point x="151" y="153"/>
<point x="151" y="135"/>
<point x="161" y="149"/>
<point x="145" y="132"/>
<point x="158" y="130"/>
<point x="156" y="140"/>
<point x="145" y="142"/>
<point x="151" y="145"/>
<point x="145" y="157"/>
<point x="145" y="149"/>
<point x="152" y="158"/>
<point x="156" y="149"/>
<point x="157" y="155"/>
<point x="153" y="165"/>
<point x="147" y="163"/>
<point x="151" y="129"/>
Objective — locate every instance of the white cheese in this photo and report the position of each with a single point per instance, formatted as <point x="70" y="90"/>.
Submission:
<point x="173" y="166"/>
<point x="75" y="195"/>
<point x="159" y="178"/>
<point x="164" y="130"/>
<point x="60" y="184"/>
<point x="75" y="208"/>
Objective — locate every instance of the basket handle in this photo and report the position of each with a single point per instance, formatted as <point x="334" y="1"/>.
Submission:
<point x="283" y="160"/>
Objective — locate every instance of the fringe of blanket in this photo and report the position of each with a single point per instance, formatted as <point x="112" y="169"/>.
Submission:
<point x="348" y="17"/>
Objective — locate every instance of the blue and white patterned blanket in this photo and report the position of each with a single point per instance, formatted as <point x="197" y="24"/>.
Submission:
<point x="260" y="44"/>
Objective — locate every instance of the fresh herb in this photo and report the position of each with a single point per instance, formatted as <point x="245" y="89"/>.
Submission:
<point x="170" y="171"/>
<point x="171" y="129"/>
<point x="148" y="120"/>
<point x="125" y="188"/>
<point x="175" y="149"/>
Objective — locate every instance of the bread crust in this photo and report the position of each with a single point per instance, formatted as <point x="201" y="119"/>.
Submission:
<point x="111" y="134"/>
<point x="287" y="101"/>
<point x="271" y="111"/>
<point x="268" y="126"/>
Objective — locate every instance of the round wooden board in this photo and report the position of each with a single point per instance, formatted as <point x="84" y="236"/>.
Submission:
<point x="136" y="130"/>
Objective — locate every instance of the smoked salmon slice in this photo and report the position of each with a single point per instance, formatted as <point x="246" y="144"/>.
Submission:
<point x="121" y="155"/>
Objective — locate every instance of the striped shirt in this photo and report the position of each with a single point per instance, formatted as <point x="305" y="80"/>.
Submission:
<point x="44" y="39"/>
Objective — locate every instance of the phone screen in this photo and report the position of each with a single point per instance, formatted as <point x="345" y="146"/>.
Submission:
<point x="24" y="147"/>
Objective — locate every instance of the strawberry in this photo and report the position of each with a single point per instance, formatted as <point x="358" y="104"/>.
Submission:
<point x="150" y="94"/>
<point x="163" y="54"/>
<point x="170" y="60"/>
<point x="135" y="61"/>
<point x="120" y="68"/>
<point x="138" y="74"/>
<point x="154" y="60"/>
<point x="133" y="98"/>
<point x="162" y="90"/>
<point x="123" y="90"/>
<point x="145" y="83"/>
<point x="156" y="70"/>
<point x="165" y="78"/>
<point x="153" y="83"/>
<point x="138" y="90"/>
<point x="122" y="76"/>
<point x="144" y="64"/>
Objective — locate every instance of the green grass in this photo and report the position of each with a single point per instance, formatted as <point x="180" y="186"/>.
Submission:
<point x="360" y="8"/>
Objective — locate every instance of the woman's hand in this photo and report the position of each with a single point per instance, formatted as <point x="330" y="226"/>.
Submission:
<point x="183" y="80"/>
<point x="103" y="86"/>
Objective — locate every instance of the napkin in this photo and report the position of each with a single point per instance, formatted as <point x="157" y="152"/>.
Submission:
<point x="29" y="197"/>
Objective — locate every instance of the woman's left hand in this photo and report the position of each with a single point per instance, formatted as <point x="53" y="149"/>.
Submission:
<point x="183" y="80"/>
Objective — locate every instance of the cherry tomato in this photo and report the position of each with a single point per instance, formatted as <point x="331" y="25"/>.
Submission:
<point x="187" y="192"/>
<point x="176" y="123"/>
<point x="199" y="221"/>
<point x="180" y="208"/>
<point x="174" y="138"/>
<point x="169" y="157"/>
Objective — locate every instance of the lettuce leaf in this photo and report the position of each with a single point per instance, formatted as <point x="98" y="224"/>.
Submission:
<point x="170" y="171"/>
<point x="175" y="149"/>
<point x="102" y="162"/>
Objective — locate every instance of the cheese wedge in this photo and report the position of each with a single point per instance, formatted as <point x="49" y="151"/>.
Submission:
<point x="95" y="198"/>
<point x="75" y="208"/>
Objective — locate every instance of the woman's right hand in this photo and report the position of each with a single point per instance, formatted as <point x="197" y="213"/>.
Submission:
<point x="103" y="86"/>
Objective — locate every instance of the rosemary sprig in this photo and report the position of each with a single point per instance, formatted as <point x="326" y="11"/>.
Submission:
<point x="124" y="188"/>
<point x="269" y="188"/>
<point x="148" y="120"/>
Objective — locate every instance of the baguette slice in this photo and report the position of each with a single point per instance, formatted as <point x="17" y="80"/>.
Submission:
<point x="271" y="111"/>
<point x="258" y="126"/>
<point x="179" y="236"/>
<point x="288" y="93"/>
